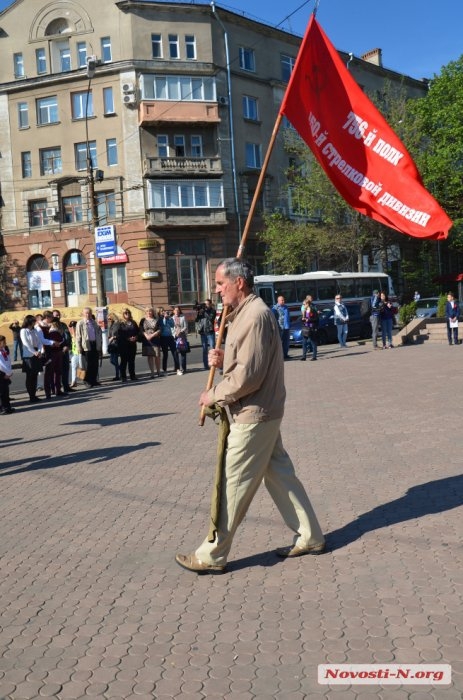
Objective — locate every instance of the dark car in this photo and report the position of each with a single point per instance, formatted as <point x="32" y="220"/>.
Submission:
<point x="359" y="324"/>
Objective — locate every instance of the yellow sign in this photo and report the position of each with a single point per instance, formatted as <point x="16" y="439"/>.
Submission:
<point x="147" y="243"/>
<point x="150" y="275"/>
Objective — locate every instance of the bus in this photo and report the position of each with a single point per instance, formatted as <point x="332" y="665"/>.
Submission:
<point x="323" y="287"/>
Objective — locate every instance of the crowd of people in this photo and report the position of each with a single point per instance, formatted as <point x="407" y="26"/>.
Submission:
<point x="55" y="355"/>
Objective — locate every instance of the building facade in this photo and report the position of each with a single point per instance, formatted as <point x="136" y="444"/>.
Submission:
<point x="149" y="117"/>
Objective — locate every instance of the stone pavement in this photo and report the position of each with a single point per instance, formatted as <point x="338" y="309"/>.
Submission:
<point x="101" y="489"/>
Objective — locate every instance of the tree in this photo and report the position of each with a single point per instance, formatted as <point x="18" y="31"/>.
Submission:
<point x="433" y="130"/>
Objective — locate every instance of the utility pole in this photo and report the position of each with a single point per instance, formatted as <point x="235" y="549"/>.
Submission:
<point x="100" y="291"/>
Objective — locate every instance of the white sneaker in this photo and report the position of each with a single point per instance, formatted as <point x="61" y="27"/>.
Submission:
<point x="179" y="372"/>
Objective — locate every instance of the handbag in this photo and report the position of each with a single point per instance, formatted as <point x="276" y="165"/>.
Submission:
<point x="305" y="331"/>
<point x="181" y="343"/>
<point x="81" y="373"/>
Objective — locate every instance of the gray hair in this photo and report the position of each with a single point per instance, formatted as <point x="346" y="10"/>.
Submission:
<point x="236" y="267"/>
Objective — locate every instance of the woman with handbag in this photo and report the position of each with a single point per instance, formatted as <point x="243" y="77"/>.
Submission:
<point x="180" y="335"/>
<point x="310" y="322"/>
<point x="150" y="332"/>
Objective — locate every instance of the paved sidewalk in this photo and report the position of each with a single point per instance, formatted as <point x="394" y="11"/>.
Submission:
<point x="100" y="490"/>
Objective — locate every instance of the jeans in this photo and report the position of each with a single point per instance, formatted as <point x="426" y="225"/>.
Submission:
<point x="114" y="360"/>
<point x="386" y="331"/>
<point x="207" y="341"/>
<point x="342" y="333"/>
<point x="168" y="343"/>
<point x="307" y="346"/>
<point x="17" y="345"/>
<point x="284" y="335"/>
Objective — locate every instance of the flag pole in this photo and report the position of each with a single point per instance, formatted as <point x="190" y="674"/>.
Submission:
<point x="241" y="247"/>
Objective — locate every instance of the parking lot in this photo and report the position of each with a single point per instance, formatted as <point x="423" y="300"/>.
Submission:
<point x="100" y="490"/>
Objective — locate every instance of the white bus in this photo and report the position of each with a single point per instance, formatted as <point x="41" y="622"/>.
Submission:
<point x="323" y="287"/>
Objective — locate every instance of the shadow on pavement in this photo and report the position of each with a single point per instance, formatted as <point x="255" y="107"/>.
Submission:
<point x="71" y="459"/>
<point x="425" y="499"/>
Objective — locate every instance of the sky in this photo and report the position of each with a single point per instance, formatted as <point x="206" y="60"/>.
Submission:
<point x="417" y="37"/>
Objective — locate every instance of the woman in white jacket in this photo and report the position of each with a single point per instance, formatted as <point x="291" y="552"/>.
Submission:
<point x="341" y="317"/>
<point x="180" y="334"/>
<point x="6" y="371"/>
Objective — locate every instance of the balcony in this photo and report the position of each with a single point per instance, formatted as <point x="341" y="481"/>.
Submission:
<point x="174" y="218"/>
<point x="178" y="166"/>
<point x="171" y="112"/>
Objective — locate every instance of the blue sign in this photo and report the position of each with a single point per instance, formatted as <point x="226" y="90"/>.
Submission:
<point x="105" y="241"/>
<point x="105" y="248"/>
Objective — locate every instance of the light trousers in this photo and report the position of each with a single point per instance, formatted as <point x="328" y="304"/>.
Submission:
<point x="255" y="452"/>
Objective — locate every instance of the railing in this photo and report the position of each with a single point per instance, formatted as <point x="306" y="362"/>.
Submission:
<point x="183" y="165"/>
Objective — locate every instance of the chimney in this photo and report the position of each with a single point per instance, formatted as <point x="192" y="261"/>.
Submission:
<point x="374" y="56"/>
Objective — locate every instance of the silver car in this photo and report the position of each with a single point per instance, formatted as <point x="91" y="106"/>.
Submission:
<point x="427" y="308"/>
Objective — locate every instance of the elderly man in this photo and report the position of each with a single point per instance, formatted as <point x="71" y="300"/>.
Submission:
<point x="253" y="389"/>
<point x="89" y="344"/>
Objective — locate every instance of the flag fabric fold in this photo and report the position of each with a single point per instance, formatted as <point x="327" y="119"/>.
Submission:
<point x="362" y="156"/>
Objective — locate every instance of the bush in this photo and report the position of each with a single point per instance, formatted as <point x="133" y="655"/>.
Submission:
<point x="441" y="306"/>
<point x="407" y="312"/>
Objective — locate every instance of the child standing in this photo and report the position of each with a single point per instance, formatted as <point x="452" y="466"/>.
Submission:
<point x="5" y="377"/>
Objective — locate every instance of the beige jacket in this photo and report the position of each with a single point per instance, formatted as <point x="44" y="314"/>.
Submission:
<point x="253" y="375"/>
<point x="82" y="341"/>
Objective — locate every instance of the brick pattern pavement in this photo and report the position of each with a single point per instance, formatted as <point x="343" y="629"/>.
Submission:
<point x="100" y="490"/>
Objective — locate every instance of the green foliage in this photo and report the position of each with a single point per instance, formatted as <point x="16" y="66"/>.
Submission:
<point x="441" y="306"/>
<point x="407" y="312"/>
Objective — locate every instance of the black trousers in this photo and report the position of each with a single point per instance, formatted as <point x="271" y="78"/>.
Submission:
<point x="91" y="358"/>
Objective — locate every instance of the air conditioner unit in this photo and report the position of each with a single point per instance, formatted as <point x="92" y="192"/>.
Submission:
<point x="223" y="101"/>
<point x="128" y="88"/>
<point x="129" y="99"/>
<point x="50" y="212"/>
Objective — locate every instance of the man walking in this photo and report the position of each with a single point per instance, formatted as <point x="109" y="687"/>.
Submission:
<point x="253" y="389"/>
<point x="282" y="316"/>
<point x="375" y="303"/>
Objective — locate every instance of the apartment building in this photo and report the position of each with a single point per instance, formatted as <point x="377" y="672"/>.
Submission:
<point x="150" y="119"/>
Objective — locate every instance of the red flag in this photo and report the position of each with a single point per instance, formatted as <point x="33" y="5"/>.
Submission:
<point x="364" y="159"/>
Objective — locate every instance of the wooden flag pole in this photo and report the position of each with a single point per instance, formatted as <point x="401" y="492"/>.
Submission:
<point x="241" y="247"/>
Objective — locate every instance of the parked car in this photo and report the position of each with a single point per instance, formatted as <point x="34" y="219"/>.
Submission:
<point x="427" y="308"/>
<point x="359" y="325"/>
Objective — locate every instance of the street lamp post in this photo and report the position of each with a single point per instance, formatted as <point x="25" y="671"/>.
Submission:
<point x="100" y="292"/>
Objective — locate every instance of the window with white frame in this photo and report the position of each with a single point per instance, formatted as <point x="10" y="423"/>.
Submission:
<point x="247" y="59"/>
<point x="108" y="100"/>
<point x="190" y="47"/>
<point x="80" y="150"/>
<point x="18" y="65"/>
<point x="173" y="46"/>
<point x="47" y="110"/>
<point x="163" y="146"/>
<point x="177" y="194"/>
<point x="179" y="146"/>
<point x="23" y="115"/>
<point x="253" y="155"/>
<point x="106" y="53"/>
<point x="115" y="278"/>
<point x="65" y="59"/>
<point x="156" y="45"/>
<point x="81" y="48"/>
<point x="50" y="161"/>
<point x="82" y="104"/>
<point x="72" y="209"/>
<point x="111" y="151"/>
<point x="196" y="146"/>
<point x="287" y="65"/>
<point x="250" y="108"/>
<point x="176" y="87"/>
<point x="41" y="61"/>
<point x="106" y="205"/>
<point x="26" y="164"/>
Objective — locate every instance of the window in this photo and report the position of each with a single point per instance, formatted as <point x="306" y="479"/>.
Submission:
<point x="37" y="213"/>
<point x="72" y="209"/>
<point x="81" y="54"/>
<point x="190" y="47"/>
<point x="106" y="55"/>
<point x="173" y="46"/>
<point x="196" y="146"/>
<point x="18" y="63"/>
<point x="41" y="61"/>
<point x="26" y="164"/>
<point x="47" y="110"/>
<point x="111" y="151"/>
<point x="65" y="59"/>
<point x="108" y="100"/>
<point x="247" y="59"/>
<point x="106" y="204"/>
<point x="23" y="115"/>
<point x="50" y="161"/>
<point x="253" y="155"/>
<point x="250" y="108"/>
<point x="75" y="277"/>
<point x="174" y="194"/>
<point x="287" y="65"/>
<point x="179" y="146"/>
<point x="82" y="104"/>
<point x="81" y="154"/>
<point x="186" y="271"/>
<point x="115" y="278"/>
<point x="163" y="146"/>
<point x="175" y="87"/>
<point x="156" y="45"/>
